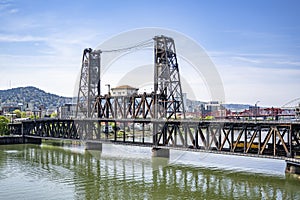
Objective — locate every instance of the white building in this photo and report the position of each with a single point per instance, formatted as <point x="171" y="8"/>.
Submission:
<point x="123" y="90"/>
<point x="297" y="111"/>
<point x="67" y="111"/>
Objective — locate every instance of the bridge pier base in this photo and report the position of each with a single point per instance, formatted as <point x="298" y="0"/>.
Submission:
<point x="292" y="168"/>
<point x="158" y="152"/>
<point x="93" y="146"/>
<point x="29" y="140"/>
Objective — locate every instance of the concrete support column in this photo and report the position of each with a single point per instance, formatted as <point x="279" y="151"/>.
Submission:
<point x="292" y="168"/>
<point x="29" y="140"/>
<point x="93" y="146"/>
<point x="158" y="152"/>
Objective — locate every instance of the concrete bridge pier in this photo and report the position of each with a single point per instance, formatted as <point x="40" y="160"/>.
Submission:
<point x="160" y="159"/>
<point x="292" y="168"/>
<point x="90" y="145"/>
<point x="29" y="140"/>
<point x="159" y="152"/>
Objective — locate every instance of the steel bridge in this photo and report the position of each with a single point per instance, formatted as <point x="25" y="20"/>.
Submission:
<point x="262" y="139"/>
<point x="157" y="119"/>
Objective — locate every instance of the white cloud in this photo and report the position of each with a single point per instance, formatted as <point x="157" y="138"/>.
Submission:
<point x="14" y="10"/>
<point x="264" y="60"/>
<point x="291" y="63"/>
<point x="254" y="34"/>
<point x="7" y="7"/>
<point x="247" y="77"/>
<point x="4" y="4"/>
<point x="271" y="86"/>
<point x="56" y="62"/>
<point x="244" y="59"/>
<point x="60" y="82"/>
<point x="54" y="69"/>
<point x="20" y="38"/>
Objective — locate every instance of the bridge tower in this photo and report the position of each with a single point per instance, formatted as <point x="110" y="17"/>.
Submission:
<point x="167" y="86"/>
<point x="89" y="83"/>
<point x="168" y="96"/>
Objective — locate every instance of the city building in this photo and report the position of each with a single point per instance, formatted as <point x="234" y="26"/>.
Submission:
<point x="297" y="111"/>
<point x="10" y="107"/>
<point x="123" y="90"/>
<point x="67" y="111"/>
<point x="215" y="109"/>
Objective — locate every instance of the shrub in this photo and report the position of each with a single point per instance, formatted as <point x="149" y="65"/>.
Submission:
<point x="4" y="126"/>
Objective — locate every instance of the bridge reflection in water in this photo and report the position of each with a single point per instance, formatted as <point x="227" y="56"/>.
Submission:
<point x="96" y="175"/>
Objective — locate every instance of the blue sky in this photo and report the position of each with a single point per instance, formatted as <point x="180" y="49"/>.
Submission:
<point x="255" y="45"/>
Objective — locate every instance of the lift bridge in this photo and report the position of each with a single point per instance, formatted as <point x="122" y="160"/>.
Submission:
<point x="157" y="119"/>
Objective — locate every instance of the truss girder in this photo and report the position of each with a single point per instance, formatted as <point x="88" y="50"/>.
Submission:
<point x="123" y="107"/>
<point x="260" y="138"/>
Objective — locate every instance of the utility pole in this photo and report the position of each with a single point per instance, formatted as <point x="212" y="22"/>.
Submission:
<point x="108" y="88"/>
<point x="256" y="110"/>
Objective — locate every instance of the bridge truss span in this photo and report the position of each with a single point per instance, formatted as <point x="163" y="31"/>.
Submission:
<point x="273" y="139"/>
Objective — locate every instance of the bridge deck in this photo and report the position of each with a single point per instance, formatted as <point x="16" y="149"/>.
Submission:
<point x="266" y="139"/>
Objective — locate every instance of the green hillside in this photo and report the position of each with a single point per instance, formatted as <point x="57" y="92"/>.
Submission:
<point x="32" y="96"/>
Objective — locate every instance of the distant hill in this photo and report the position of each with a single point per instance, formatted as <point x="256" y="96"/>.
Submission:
<point x="32" y="96"/>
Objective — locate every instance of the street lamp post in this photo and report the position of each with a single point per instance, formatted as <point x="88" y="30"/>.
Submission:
<point x="108" y="87"/>
<point x="106" y="131"/>
<point x="256" y="110"/>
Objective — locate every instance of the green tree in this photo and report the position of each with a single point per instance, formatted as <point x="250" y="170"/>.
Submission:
<point x="18" y="113"/>
<point x="34" y="117"/>
<point x="53" y="115"/>
<point x="4" y="125"/>
<point x="23" y="114"/>
<point x="209" y="118"/>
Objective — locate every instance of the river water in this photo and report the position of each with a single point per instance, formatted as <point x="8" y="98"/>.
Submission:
<point x="51" y="171"/>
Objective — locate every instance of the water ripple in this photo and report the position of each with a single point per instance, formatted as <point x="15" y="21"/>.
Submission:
<point x="34" y="172"/>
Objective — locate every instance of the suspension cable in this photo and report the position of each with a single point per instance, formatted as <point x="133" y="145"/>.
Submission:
<point x="142" y="44"/>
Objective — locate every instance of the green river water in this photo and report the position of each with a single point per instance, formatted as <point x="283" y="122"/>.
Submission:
<point x="50" y="171"/>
